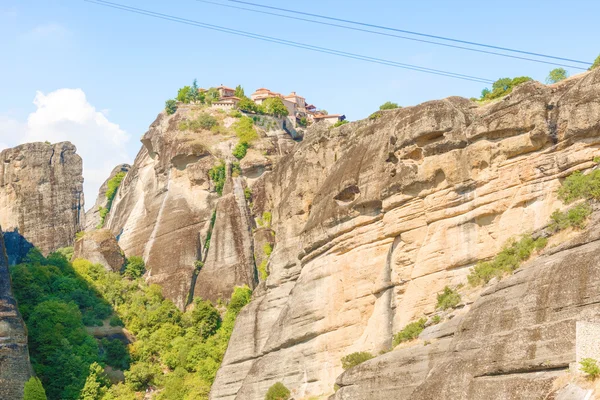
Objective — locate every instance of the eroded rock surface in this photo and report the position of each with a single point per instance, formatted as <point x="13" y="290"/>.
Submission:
<point x="15" y="368"/>
<point x="41" y="197"/>
<point x="100" y="246"/>
<point x="374" y="218"/>
<point x="164" y="206"/>
<point x="92" y="216"/>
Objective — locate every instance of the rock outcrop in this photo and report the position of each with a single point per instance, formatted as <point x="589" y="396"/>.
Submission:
<point x="41" y="197"/>
<point x="92" y="216"/>
<point x="374" y="218"/>
<point x="164" y="207"/>
<point x="100" y="246"/>
<point x="15" y="368"/>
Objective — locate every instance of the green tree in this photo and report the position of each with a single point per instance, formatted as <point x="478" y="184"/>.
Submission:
<point x="247" y="105"/>
<point x="449" y="298"/>
<point x="388" y="105"/>
<point x="183" y="95"/>
<point x="502" y="87"/>
<point x="274" y="106"/>
<point x="34" y="390"/>
<point x="96" y="384"/>
<point x="244" y="129"/>
<point x="170" y="106"/>
<point x="596" y="64"/>
<point x="557" y="75"/>
<point x="278" y="392"/>
<point x="135" y="267"/>
<point x="239" y="92"/>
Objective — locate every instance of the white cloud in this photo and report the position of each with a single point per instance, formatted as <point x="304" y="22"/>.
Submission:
<point x="66" y="115"/>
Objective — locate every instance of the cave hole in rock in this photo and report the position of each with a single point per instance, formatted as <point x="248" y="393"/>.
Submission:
<point x="348" y="195"/>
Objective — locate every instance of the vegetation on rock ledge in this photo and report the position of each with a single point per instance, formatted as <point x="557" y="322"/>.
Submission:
<point x="352" y="360"/>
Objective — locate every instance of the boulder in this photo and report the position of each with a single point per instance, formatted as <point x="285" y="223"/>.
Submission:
<point x="100" y="246"/>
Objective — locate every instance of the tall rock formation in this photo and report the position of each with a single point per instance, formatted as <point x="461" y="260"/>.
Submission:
<point x="92" y="216"/>
<point x="164" y="207"/>
<point x="373" y="218"/>
<point x="41" y="197"/>
<point x="15" y="368"/>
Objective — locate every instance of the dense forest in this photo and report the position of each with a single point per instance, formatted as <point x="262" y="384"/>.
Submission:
<point x="100" y="335"/>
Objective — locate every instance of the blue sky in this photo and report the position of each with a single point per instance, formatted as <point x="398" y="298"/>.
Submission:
<point x="126" y="65"/>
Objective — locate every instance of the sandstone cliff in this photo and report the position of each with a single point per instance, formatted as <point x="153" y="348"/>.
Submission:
<point x="92" y="216"/>
<point x="41" y="197"/>
<point x="164" y="207"/>
<point x="15" y="368"/>
<point x="372" y="219"/>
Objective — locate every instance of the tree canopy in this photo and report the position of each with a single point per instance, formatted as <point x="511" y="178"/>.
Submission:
<point x="557" y="75"/>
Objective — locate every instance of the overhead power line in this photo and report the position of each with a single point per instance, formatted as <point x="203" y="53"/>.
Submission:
<point x="288" y="42"/>
<point x="390" y="34"/>
<point x="410" y="32"/>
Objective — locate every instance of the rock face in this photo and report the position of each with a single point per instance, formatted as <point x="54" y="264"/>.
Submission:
<point x="516" y="339"/>
<point x="100" y="246"/>
<point x="92" y="216"/>
<point x="41" y="197"/>
<point x="164" y="207"/>
<point x="374" y="218"/>
<point x="15" y="368"/>
<point x="229" y="262"/>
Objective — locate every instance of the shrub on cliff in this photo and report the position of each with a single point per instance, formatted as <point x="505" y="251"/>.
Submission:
<point x="502" y="87"/>
<point x="34" y="390"/>
<point x="579" y="186"/>
<point x="240" y="150"/>
<point x="218" y="175"/>
<point x="409" y="332"/>
<point x="574" y="217"/>
<point x="278" y="392"/>
<point x="449" y="298"/>
<point x="170" y="106"/>
<point x="589" y="366"/>
<point x="557" y="75"/>
<point x="244" y="129"/>
<point x="352" y="360"/>
<point x="509" y="259"/>
<point x="388" y="105"/>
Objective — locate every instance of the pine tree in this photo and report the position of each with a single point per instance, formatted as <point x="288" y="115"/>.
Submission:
<point x="96" y="384"/>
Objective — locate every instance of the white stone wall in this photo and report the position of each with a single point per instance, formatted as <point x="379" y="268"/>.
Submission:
<point x="587" y="340"/>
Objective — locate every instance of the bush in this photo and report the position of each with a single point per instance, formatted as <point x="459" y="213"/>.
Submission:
<point x="265" y="220"/>
<point x="436" y="319"/>
<point x="388" y="105"/>
<point x="268" y="249"/>
<point x="352" y="360"/>
<point x="244" y="129"/>
<point x="248" y="194"/>
<point x="596" y="64"/>
<point x="113" y="185"/>
<point x="589" y="366"/>
<point x="449" y="298"/>
<point x="303" y="122"/>
<point x="262" y="270"/>
<point x="278" y="392"/>
<point x="34" y="390"/>
<point x="409" y="332"/>
<point x="375" y="115"/>
<point x="170" y="106"/>
<point x="580" y="186"/>
<point x="574" y="217"/>
<point x="502" y="87"/>
<point x="339" y="123"/>
<point x="135" y="267"/>
<point x="206" y="121"/>
<point x="509" y="259"/>
<point x="218" y="175"/>
<point x="557" y="75"/>
<point x="235" y="114"/>
<point x="240" y="150"/>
